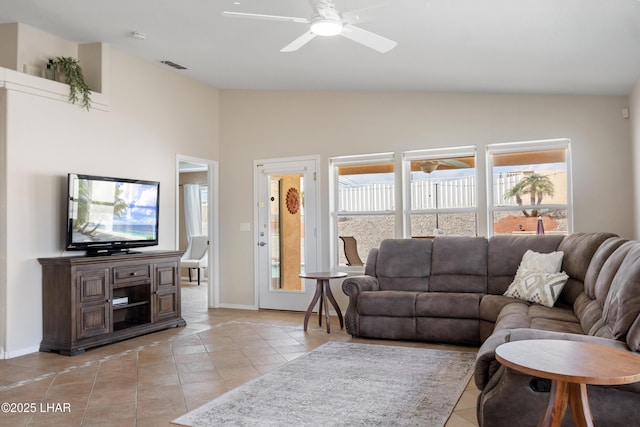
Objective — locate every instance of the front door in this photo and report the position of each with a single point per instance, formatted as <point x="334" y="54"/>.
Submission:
<point x="286" y="241"/>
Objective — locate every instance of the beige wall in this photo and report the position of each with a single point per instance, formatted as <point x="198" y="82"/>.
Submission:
<point x="272" y="124"/>
<point x="634" y="107"/>
<point x="36" y="47"/>
<point x="155" y="114"/>
<point x="9" y="46"/>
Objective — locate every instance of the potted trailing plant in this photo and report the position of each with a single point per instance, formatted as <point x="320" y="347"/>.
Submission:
<point x="68" y="71"/>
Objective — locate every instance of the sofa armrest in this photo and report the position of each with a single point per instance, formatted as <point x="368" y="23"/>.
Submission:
<point x="486" y="364"/>
<point x="353" y="287"/>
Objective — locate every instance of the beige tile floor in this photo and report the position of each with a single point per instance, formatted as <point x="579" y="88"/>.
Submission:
<point x="150" y="380"/>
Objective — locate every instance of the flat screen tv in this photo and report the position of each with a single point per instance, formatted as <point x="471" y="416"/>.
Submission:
<point x="107" y="216"/>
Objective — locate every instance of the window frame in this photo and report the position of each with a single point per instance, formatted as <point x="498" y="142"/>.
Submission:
<point x="434" y="154"/>
<point x="521" y="147"/>
<point x="354" y="160"/>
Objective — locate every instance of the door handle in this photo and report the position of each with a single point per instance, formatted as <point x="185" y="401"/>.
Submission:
<point x="262" y="243"/>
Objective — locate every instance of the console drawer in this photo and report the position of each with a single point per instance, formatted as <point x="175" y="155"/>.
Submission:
<point x="124" y="275"/>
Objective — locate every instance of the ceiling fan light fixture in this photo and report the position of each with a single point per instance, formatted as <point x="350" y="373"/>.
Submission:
<point x="429" y="166"/>
<point x="326" y="27"/>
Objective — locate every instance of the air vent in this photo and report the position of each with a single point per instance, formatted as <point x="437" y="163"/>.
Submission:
<point x="174" y="65"/>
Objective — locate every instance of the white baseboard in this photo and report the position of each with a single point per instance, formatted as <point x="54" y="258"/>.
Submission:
<point x="238" y="306"/>
<point x="20" y="352"/>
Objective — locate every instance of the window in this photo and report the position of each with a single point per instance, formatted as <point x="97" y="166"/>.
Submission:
<point x="376" y="197"/>
<point x="441" y="192"/>
<point x="363" y="204"/>
<point x="529" y="181"/>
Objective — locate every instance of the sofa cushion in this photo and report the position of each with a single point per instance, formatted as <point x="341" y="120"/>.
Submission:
<point x="448" y="305"/>
<point x="504" y="254"/>
<point x="404" y="264"/>
<point x="579" y="249"/>
<point x="537" y="311"/>
<point x="449" y="274"/>
<point x="596" y="268"/>
<point x="622" y="305"/>
<point x="600" y="290"/>
<point x="602" y="268"/>
<point x="545" y="324"/>
<point x="492" y="305"/>
<point x="387" y="303"/>
<point x="513" y="316"/>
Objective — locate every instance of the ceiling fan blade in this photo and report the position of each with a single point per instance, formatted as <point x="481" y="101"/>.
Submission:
<point x="266" y="17"/>
<point x="454" y="163"/>
<point x="367" y="38"/>
<point x="299" y="42"/>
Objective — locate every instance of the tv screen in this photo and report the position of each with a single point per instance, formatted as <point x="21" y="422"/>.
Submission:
<point x="110" y="215"/>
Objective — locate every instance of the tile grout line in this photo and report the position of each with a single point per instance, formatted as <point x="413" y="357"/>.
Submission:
<point x="137" y="349"/>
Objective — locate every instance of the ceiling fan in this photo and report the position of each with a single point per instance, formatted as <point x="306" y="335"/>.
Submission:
<point x="326" y="21"/>
<point x="429" y="166"/>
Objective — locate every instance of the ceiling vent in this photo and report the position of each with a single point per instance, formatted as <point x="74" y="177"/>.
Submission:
<point x="174" y="65"/>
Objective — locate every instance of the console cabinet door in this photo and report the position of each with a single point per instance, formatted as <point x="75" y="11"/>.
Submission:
<point x="94" y="308"/>
<point x="166" y="292"/>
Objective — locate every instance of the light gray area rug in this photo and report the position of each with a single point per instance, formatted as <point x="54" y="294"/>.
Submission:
<point x="347" y="384"/>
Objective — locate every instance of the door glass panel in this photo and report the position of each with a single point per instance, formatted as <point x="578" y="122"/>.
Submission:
<point x="287" y="232"/>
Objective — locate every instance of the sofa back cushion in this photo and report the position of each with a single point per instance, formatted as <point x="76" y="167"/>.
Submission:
<point x="622" y="305"/>
<point x="504" y="254"/>
<point x="603" y="266"/>
<point x="578" y="249"/>
<point x="404" y="264"/>
<point x="597" y="280"/>
<point x="370" y="265"/>
<point x="459" y="264"/>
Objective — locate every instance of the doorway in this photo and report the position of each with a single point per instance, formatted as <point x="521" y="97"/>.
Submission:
<point x="286" y="231"/>
<point x="200" y="177"/>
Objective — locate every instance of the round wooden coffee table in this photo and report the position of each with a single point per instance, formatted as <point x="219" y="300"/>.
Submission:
<point x="570" y="366"/>
<point x="323" y="292"/>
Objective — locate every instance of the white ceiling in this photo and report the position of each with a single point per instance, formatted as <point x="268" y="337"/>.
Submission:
<point x="524" y="46"/>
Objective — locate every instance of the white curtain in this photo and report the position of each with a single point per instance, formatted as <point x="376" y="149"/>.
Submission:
<point x="192" y="210"/>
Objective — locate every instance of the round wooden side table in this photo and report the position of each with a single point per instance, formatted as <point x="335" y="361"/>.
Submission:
<point x="323" y="292"/>
<point x="570" y="365"/>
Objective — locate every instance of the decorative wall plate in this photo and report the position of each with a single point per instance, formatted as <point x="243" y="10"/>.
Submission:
<point x="293" y="200"/>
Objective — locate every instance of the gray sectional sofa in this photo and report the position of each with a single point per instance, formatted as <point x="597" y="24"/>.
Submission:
<point x="450" y="290"/>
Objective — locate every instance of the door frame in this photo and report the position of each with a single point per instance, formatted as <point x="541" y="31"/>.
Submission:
<point x="256" y="215"/>
<point x="213" y="231"/>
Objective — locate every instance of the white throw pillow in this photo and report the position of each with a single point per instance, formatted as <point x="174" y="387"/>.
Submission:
<point x="542" y="263"/>
<point x="534" y="286"/>
<point x="538" y="278"/>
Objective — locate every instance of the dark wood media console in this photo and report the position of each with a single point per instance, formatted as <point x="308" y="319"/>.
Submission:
<point x="78" y="295"/>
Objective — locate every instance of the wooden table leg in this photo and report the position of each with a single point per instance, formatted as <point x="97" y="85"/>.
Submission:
<point x="565" y="394"/>
<point x="334" y="303"/>
<point x="579" y="404"/>
<point x="557" y="406"/>
<point x="325" y="285"/>
<point x="319" y="286"/>
<point x="316" y="296"/>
